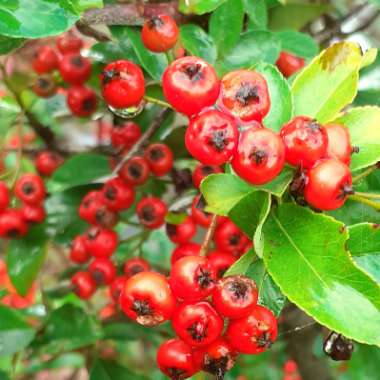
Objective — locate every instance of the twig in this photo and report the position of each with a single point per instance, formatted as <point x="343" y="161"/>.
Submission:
<point x="368" y="195"/>
<point x="89" y="31"/>
<point x="364" y="174"/>
<point x="358" y="198"/>
<point x="209" y="235"/>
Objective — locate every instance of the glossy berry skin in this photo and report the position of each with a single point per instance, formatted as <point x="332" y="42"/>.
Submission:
<point x="244" y="94"/>
<point x="103" y="271"/>
<point x="221" y="261"/>
<point x="175" y="359"/>
<point x="212" y="137"/>
<point x="148" y="299"/>
<point x="135" y="171"/>
<point x="82" y="101"/>
<point x="33" y="213"/>
<point x="192" y="278"/>
<point x="183" y="232"/>
<point x="67" y="44"/>
<point x="123" y="84"/>
<point x="198" y="214"/>
<point x="184" y="250"/>
<point x="134" y="266"/>
<point x="45" y="87"/>
<point x="12" y="224"/>
<point x="254" y="333"/>
<point x="328" y="184"/>
<point x="190" y="84"/>
<point x="101" y="243"/>
<point x="84" y="285"/>
<point x="75" y="69"/>
<point x="45" y="60"/>
<point x="339" y="145"/>
<point x="47" y="162"/>
<point x="118" y="195"/>
<point x="159" y="158"/>
<point x="30" y="189"/>
<point x="305" y="141"/>
<point x="159" y="33"/>
<point x="289" y="64"/>
<point x="197" y="324"/>
<point x="78" y="251"/>
<point x="260" y="156"/>
<point x="229" y="238"/>
<point x="117" y="287"/>
<point x="202" y="171"/>
<point x="4" y="196"/>
<point x="125" y="135"/>
<point x="151" y="212"/>
<point x="234" y="296"/>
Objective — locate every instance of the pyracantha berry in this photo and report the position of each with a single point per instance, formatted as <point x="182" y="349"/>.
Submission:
<point x="78" y="252"/>
<point x="289" y="64"/>
<point x="135" y="171"/>
<point x="101" y="243"/>
<point x="68" y="43"/>
<point x="117" y="287"/>
<point x="160" y="159"/>
<point x="45" y="60"/>
<point x="82" y="101"/>
<point x="221" y="261"/>
<point x="202" y="171"/>
<point x="75" y="69"/>
<point x="183" y="250"/>
<point x="47" y="162"/>
<point x="339" y="145"/>
<point x="33" y="213"/>
<point x="198" y="214"/>
<point x="125" y="135"/>
<point x="83" y="284"/>
<point x="183" y="232"/>
<point x="45" y="86"/>
<point x="118" y="195"/>
<point x="134" y="266"/>
<point x="102" y="270"/>
<point x="229" y="238"/>
<point x="151" y="212"/>
<point x="30" y="189"/>
<point x="4" y="196"/>
<point x="12" y="224"/>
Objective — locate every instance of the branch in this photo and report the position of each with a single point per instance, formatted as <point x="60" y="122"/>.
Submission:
<point x="209" y="235"/>
<point x="89" y="31"/>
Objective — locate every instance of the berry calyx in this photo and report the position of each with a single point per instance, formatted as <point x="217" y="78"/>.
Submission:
<point x="44" y="86"/>
<point x="30" y="189"/>
<point x="159" y="158"/>
<point x="135" y="171"/>
<point x="151" y="212"/>
<point x="82" y="101"/>
<point x="118" y="195"/>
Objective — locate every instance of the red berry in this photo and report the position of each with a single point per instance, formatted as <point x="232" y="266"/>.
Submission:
<point x="30" y="189"/>
<point x="123" y="84"/>
<point x="12" y="224"/>
<point x="135" y="265"/>
<point x="339" y="145"/>
<point x="198" y="214"/>
<point x="260" y="156"/>
<point x="118" y="195"/>
<point x="125" y="135"/>
<point x="234" y="296"/>
<point x="229" y="238"/>
<point x="103" y="271"/>
<point x="135" y="171"/>
<point x="202" y="171"/>
<point x="45" y="87"/>
<point x="175" y="359"/>
<point x="244" y="94"/>
<point x="328" y="184"/>
<point x="197" y="324"/>
<point x="84" y="285"/>
<point x="75" y="69"/>
<point x="117" y="287"/>
<point x="290" y="366"/>
<point x="221" y="261"/>
<point x="289" y="64"/>
<point x="254" y="333"/>
<point x="159" y="33"/>
<point x="183" y="232"/>
<point x="212" y="137"/>
<point x="190" y="84"/>
<point x="101" y="243"/>
<point x="33" y="213"/>
<point x="4" y="196"/>
<point x="147" y="299"/>
<point x="159" y="158"/>
<point x="184" y="250"/>
<point x="151" y="212"/>
<point x="82" y="101"/>
<point x="305" y="141"/>
<point x="192" y="278"/>
<point x="45" y="60"/>
<point x="47" y="162"/>
<point x="78" y="252"/>
<point x="68" y="43"/>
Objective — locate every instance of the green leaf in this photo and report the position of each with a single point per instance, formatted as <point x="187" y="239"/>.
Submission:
<point x="280" y="94"/>
<point x="9" y="111"/>
<point x="225" y="25"/>
<point x="68" y="328"/>
<point x="241" y="266"/>
<point x="69" y="360"/>
<point x="109" y="370"/>
<point x="25" y="258"/>
<point x="199" y="7"/>
<point x="363" y="123"/>
<point x="157" y="248"/>
<point x="175" y="217"/>
<point x="154" y="64"/>
<point x="369" y="97"/>
<point x="278" y="186"/>
<point x="82" y="5"/>
<point x="8" y="44"/>
<point x="35" y="18"/>
<point x="81" y="169"/>
<point x="328" y="83"/>
<point x="105" y="52"/>
<point x="252" y="48"/>
<point x="196" y="41"/>
<point x="257" y="13"/>
<point x="364" y="246"/>
<point x="299" y="44"/>
<point x="15" y="333"/>
<point x="305" y="255"/>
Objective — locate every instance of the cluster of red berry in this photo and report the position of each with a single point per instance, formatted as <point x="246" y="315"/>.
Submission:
<point x="291" y="371"/>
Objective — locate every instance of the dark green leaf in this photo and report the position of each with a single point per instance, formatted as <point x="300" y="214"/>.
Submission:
<point x="109" y="370"/>
<point x="257" y="13"/>
<point x="299" y="44"/>
<point x="105" y="52"/>
<point x="369" y="97"/>
<point x="175" y="218"/>
<point x="82" y="5"/>
<point x="25" y="258"/>
<point x="157" y="249"/>
<point x="199" y="6"/>
<point x="278" y="186"/>
<point x="197" y="42"/>
<point x="8" y="44"/>
<point x="241" y="266"/>
<point x="69" y="360"/>
<point x="9" y="110"/>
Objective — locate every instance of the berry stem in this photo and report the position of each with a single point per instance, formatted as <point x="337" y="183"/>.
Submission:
<point x="368" y="195"/>
<point x="366" y="201"/>
<point x="159" y="102"/>
<point x="169" y="56"/>
<point x="209" y="235"/>
<point x="364" y="174"/>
